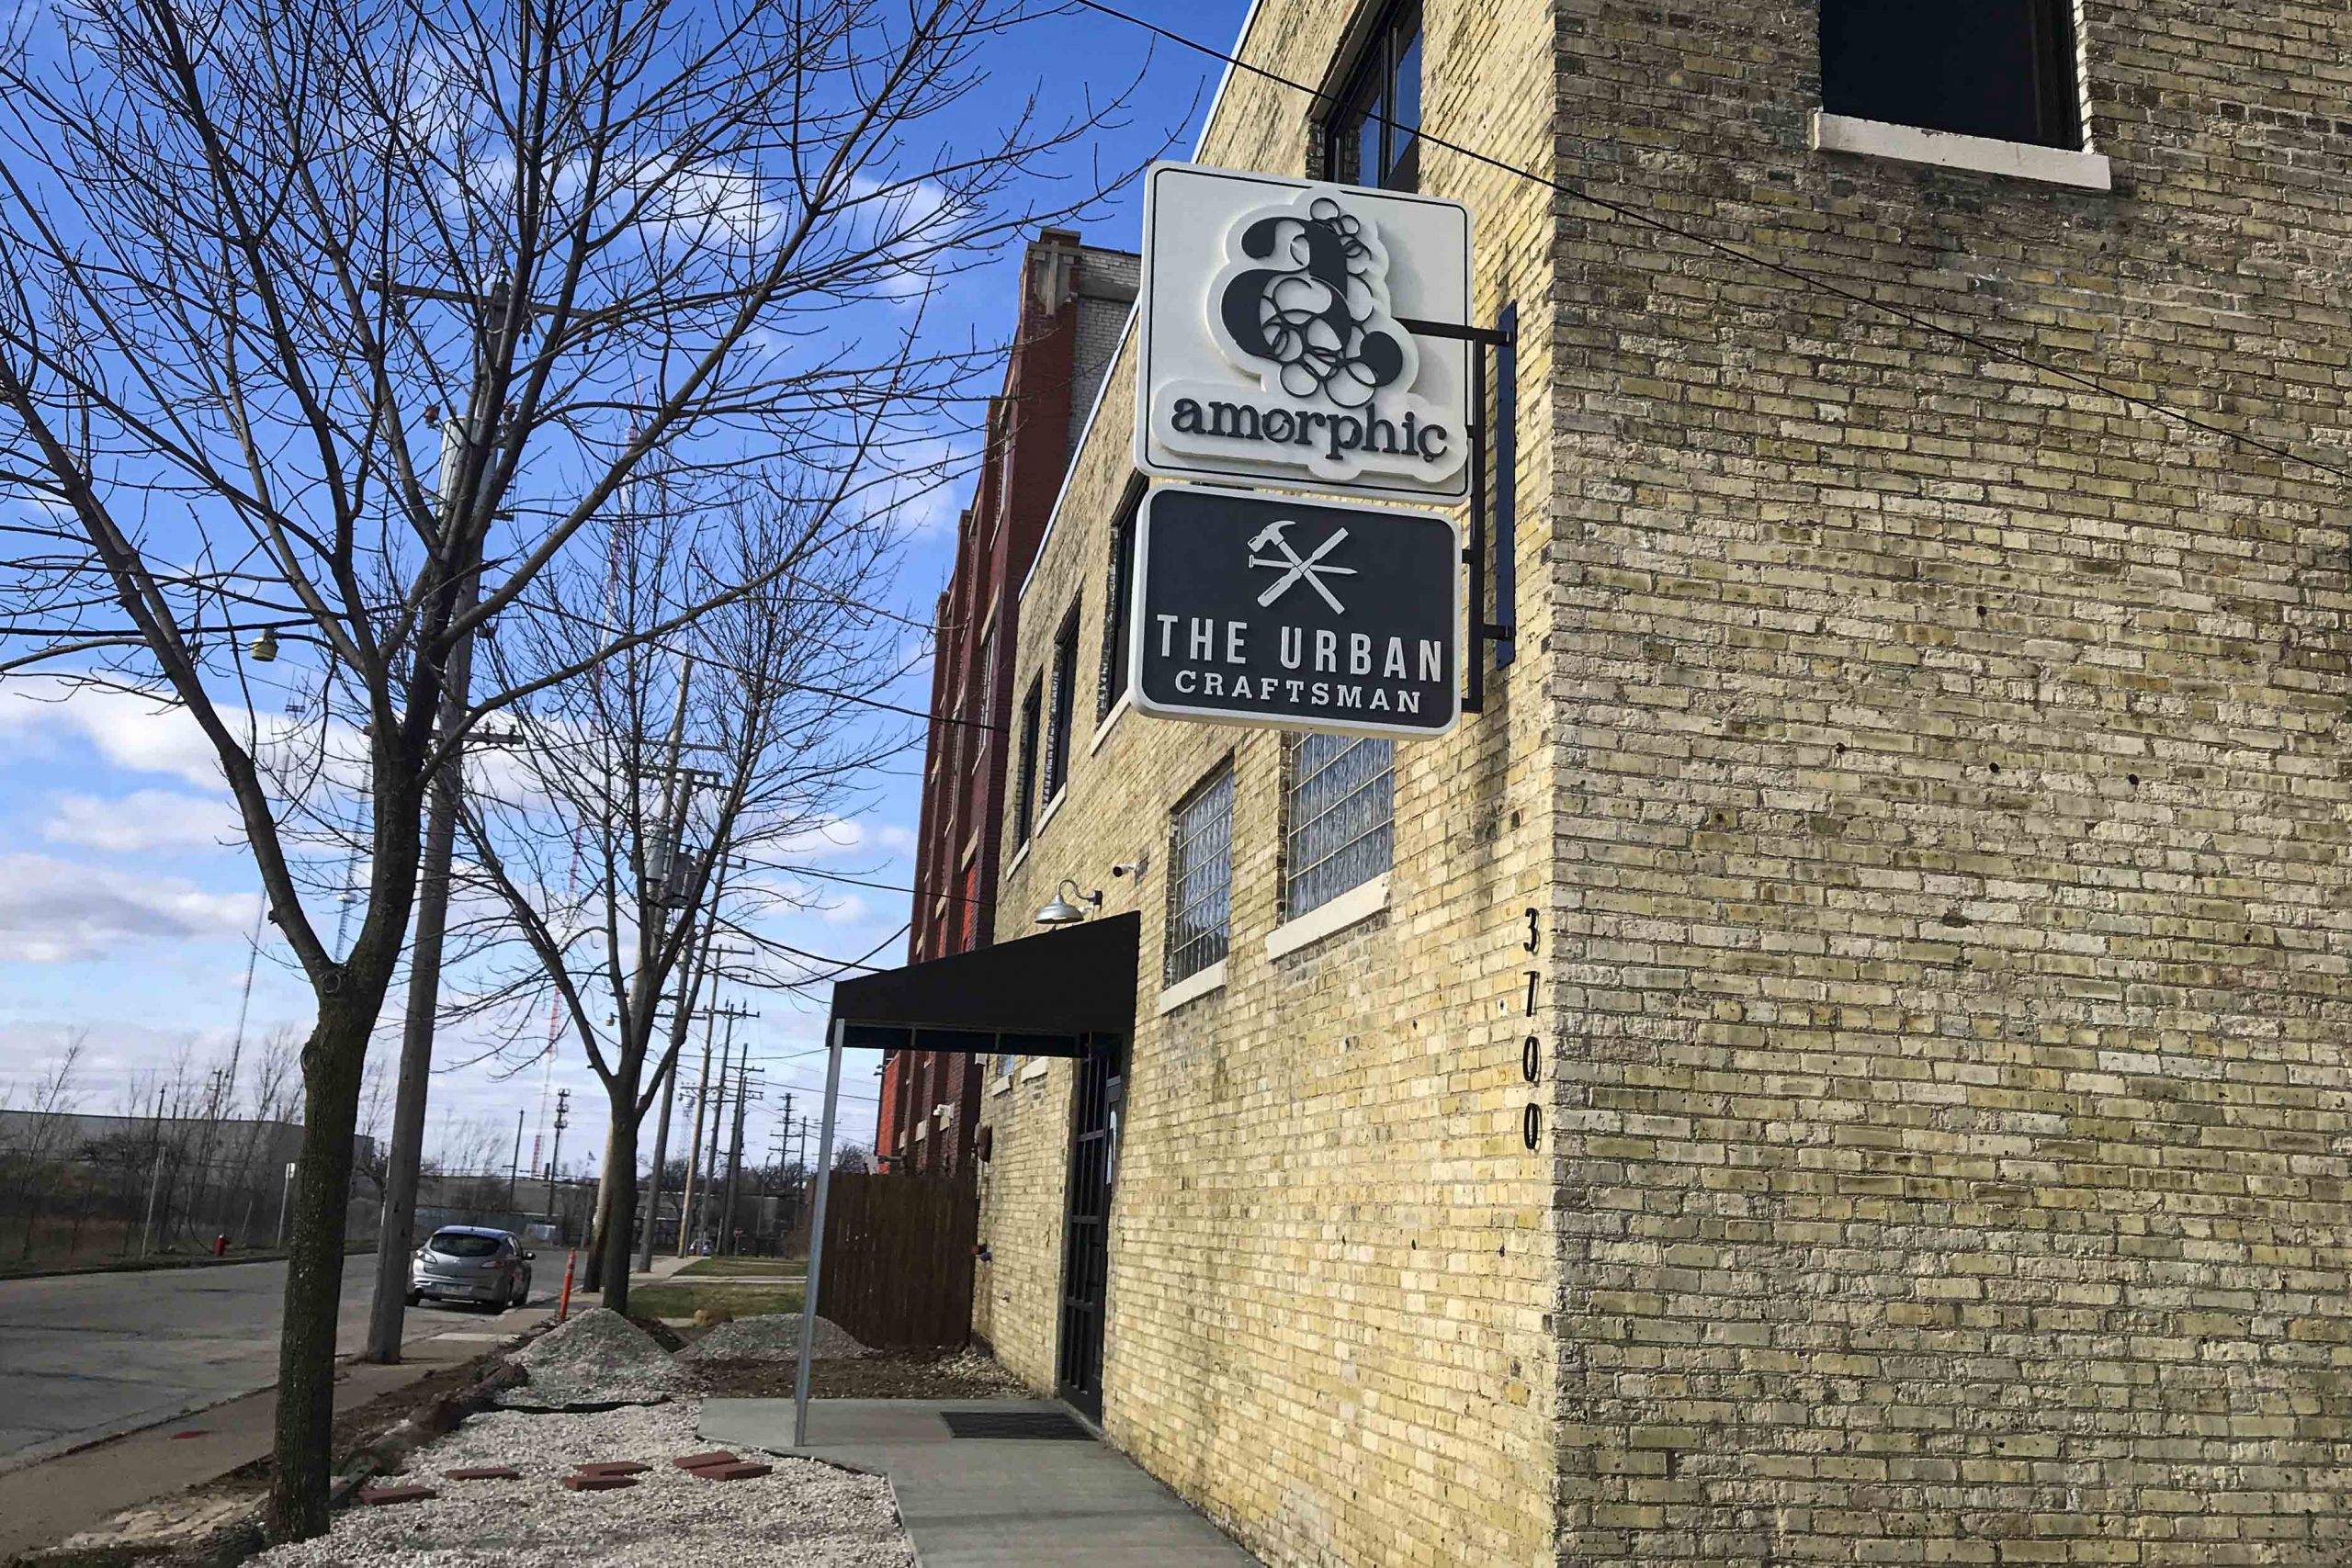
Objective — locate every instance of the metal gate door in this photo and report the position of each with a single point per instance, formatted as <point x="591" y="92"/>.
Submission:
<point x="1086" y="1255"/>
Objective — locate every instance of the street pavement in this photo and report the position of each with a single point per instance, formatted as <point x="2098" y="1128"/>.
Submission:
<point x="85" y="1357"/>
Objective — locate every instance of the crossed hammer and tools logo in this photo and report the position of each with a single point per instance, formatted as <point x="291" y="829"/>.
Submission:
<point x="1295" y="568"/>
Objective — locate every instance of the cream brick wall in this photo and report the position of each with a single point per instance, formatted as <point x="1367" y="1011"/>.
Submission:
<point x="1954" y="1151"/>
<point x="1333" y="1266"/>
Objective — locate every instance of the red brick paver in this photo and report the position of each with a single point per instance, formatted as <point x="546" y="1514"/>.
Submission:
<point x="743" y="1471"/>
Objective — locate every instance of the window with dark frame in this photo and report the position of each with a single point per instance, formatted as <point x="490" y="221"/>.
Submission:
<point x="1024" y="794"/>
<point x="1200" y="877"/>
<point x="2003" y="69"/>
<point x="1064" y="698"/>
<point x="1373" y="138"/>
<point x="1339" y="816"/>
<point x="1118" y="609"/>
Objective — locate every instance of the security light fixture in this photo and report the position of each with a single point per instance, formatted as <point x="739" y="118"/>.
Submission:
<point x="264" y="648"/>
<point x="1064" y="911"/>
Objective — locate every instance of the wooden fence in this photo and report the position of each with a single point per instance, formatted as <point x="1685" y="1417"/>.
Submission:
<point x="897" y="1268"/>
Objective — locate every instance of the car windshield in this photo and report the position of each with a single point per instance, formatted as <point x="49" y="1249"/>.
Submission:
<point x="459" y="1244"/>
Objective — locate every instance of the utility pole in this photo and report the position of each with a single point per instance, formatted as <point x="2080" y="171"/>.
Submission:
<point x="731" y="1012"/>
<point x="682" y="1019"/>
<point x="693" y="1150"/>
<point x="784" y="1167"/>
<point x="555" y="1160"/>
<point x="735" y="1162"/>
<point x="514" y="1172"/>
<point x="717" y="1121"/>
<point x="462" y="438"/>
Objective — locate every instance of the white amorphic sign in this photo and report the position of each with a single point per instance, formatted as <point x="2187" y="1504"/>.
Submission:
<point x="1271" y="350"/>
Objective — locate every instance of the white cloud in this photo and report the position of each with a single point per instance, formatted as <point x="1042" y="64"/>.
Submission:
<point x="132" y="732"/>
<point x="841" y="837"/>
<point x="143" y="820"/>
<point x="56" y="911"/>
<point x="848" y="910"/>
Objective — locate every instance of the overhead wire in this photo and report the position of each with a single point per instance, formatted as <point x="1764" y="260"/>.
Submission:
<point x="1793" y="274"/>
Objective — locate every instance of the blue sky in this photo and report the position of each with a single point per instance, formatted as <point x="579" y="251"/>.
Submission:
<point x="126" y="903"/>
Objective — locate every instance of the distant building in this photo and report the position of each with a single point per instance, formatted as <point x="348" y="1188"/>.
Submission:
<point x="64" y="1135"/>
<point x="1074" y="304"/>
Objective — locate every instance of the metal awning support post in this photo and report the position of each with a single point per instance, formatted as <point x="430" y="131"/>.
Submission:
<point x="816" y="1237"/>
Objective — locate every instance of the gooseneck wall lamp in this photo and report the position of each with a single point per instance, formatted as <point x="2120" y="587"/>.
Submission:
<point x="1063" y="909"/>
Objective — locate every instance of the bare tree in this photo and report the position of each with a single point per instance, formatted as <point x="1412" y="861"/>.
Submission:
<point x="35" y="1153"/>
<point x="601" y="835"/>
<point x="250" y="251"/>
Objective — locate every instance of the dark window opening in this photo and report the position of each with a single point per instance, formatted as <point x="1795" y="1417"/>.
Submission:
<point x="1024" y="807"/>
<point x="1998" y="68"/>
<point x="1117" y="612"/>
<point x="1064" y="699"/>
<point x="1374" y="139"/>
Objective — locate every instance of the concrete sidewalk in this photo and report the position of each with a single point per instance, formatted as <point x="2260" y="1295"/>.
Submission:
<point x="991" y="1503"/>
<point x="44" y="1502"/>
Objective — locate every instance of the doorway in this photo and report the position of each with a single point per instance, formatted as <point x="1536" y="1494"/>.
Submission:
<point x="1100" y="1092"/>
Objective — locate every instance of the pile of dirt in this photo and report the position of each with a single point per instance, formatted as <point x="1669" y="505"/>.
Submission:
<point x="598" y="1358"/>
<point x="879" y="1374"/>
<point x="773" y="1337"/>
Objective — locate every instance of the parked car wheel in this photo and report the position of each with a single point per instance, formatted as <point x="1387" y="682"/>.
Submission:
<point x="414" y="1297"/>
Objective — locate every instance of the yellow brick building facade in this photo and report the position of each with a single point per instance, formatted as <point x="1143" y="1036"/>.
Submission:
<point x="1925" y="776"/>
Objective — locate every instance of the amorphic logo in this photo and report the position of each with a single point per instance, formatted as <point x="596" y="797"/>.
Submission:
<point x="1309" y="298"/>
<point x="1301" y="308"/>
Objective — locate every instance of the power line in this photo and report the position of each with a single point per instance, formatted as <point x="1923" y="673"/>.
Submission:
<point x="1796" y="274"/>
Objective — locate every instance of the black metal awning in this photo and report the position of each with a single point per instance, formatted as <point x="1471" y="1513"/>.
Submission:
<point x="1037" y="997"/>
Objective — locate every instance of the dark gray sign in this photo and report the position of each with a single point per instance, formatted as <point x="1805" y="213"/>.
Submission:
<point x="1251" y="608"/>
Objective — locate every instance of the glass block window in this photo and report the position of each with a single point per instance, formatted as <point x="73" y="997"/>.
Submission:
<point x="1200" y="877"/>
<point x="1338" y="816"/>
<point x="1373" y="139"/>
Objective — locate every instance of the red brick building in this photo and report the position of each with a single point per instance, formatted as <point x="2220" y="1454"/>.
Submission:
<point x="1074" y="304"/>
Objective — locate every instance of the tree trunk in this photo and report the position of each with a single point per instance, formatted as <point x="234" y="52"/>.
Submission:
<point x="601" y="1229"/>
<point x="331" y="1065"/>
<point x="620" y="1198"/>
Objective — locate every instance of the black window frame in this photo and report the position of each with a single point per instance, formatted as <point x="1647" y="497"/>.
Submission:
<point x="1118" y="610"/>
<point x="1024" y="795"/>
<point x="1870" y="70"/>
<point x="1061" y="707"/>
<point x="1395" y="35"/>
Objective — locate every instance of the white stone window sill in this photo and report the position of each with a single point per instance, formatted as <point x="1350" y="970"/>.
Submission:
<point x="1047" y="814"/>
<point x="1032" y="1070"/>
<point x="1942" y="150"/>
<point x="1192" y="987"/>
<point x="1002" y="1085"/>
<point x="1358" y="903"/>
<point x="1111" y="720"/>
<point x="1021" y="853"/>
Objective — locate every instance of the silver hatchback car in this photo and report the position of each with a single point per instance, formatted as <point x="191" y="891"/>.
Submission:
<point x="470" y="1263"/>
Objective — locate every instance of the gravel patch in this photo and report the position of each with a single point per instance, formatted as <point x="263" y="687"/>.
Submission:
<point x="598" y="1358"/>
<point x="806" y="1514"/>
<point x="773" y="1336"/>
